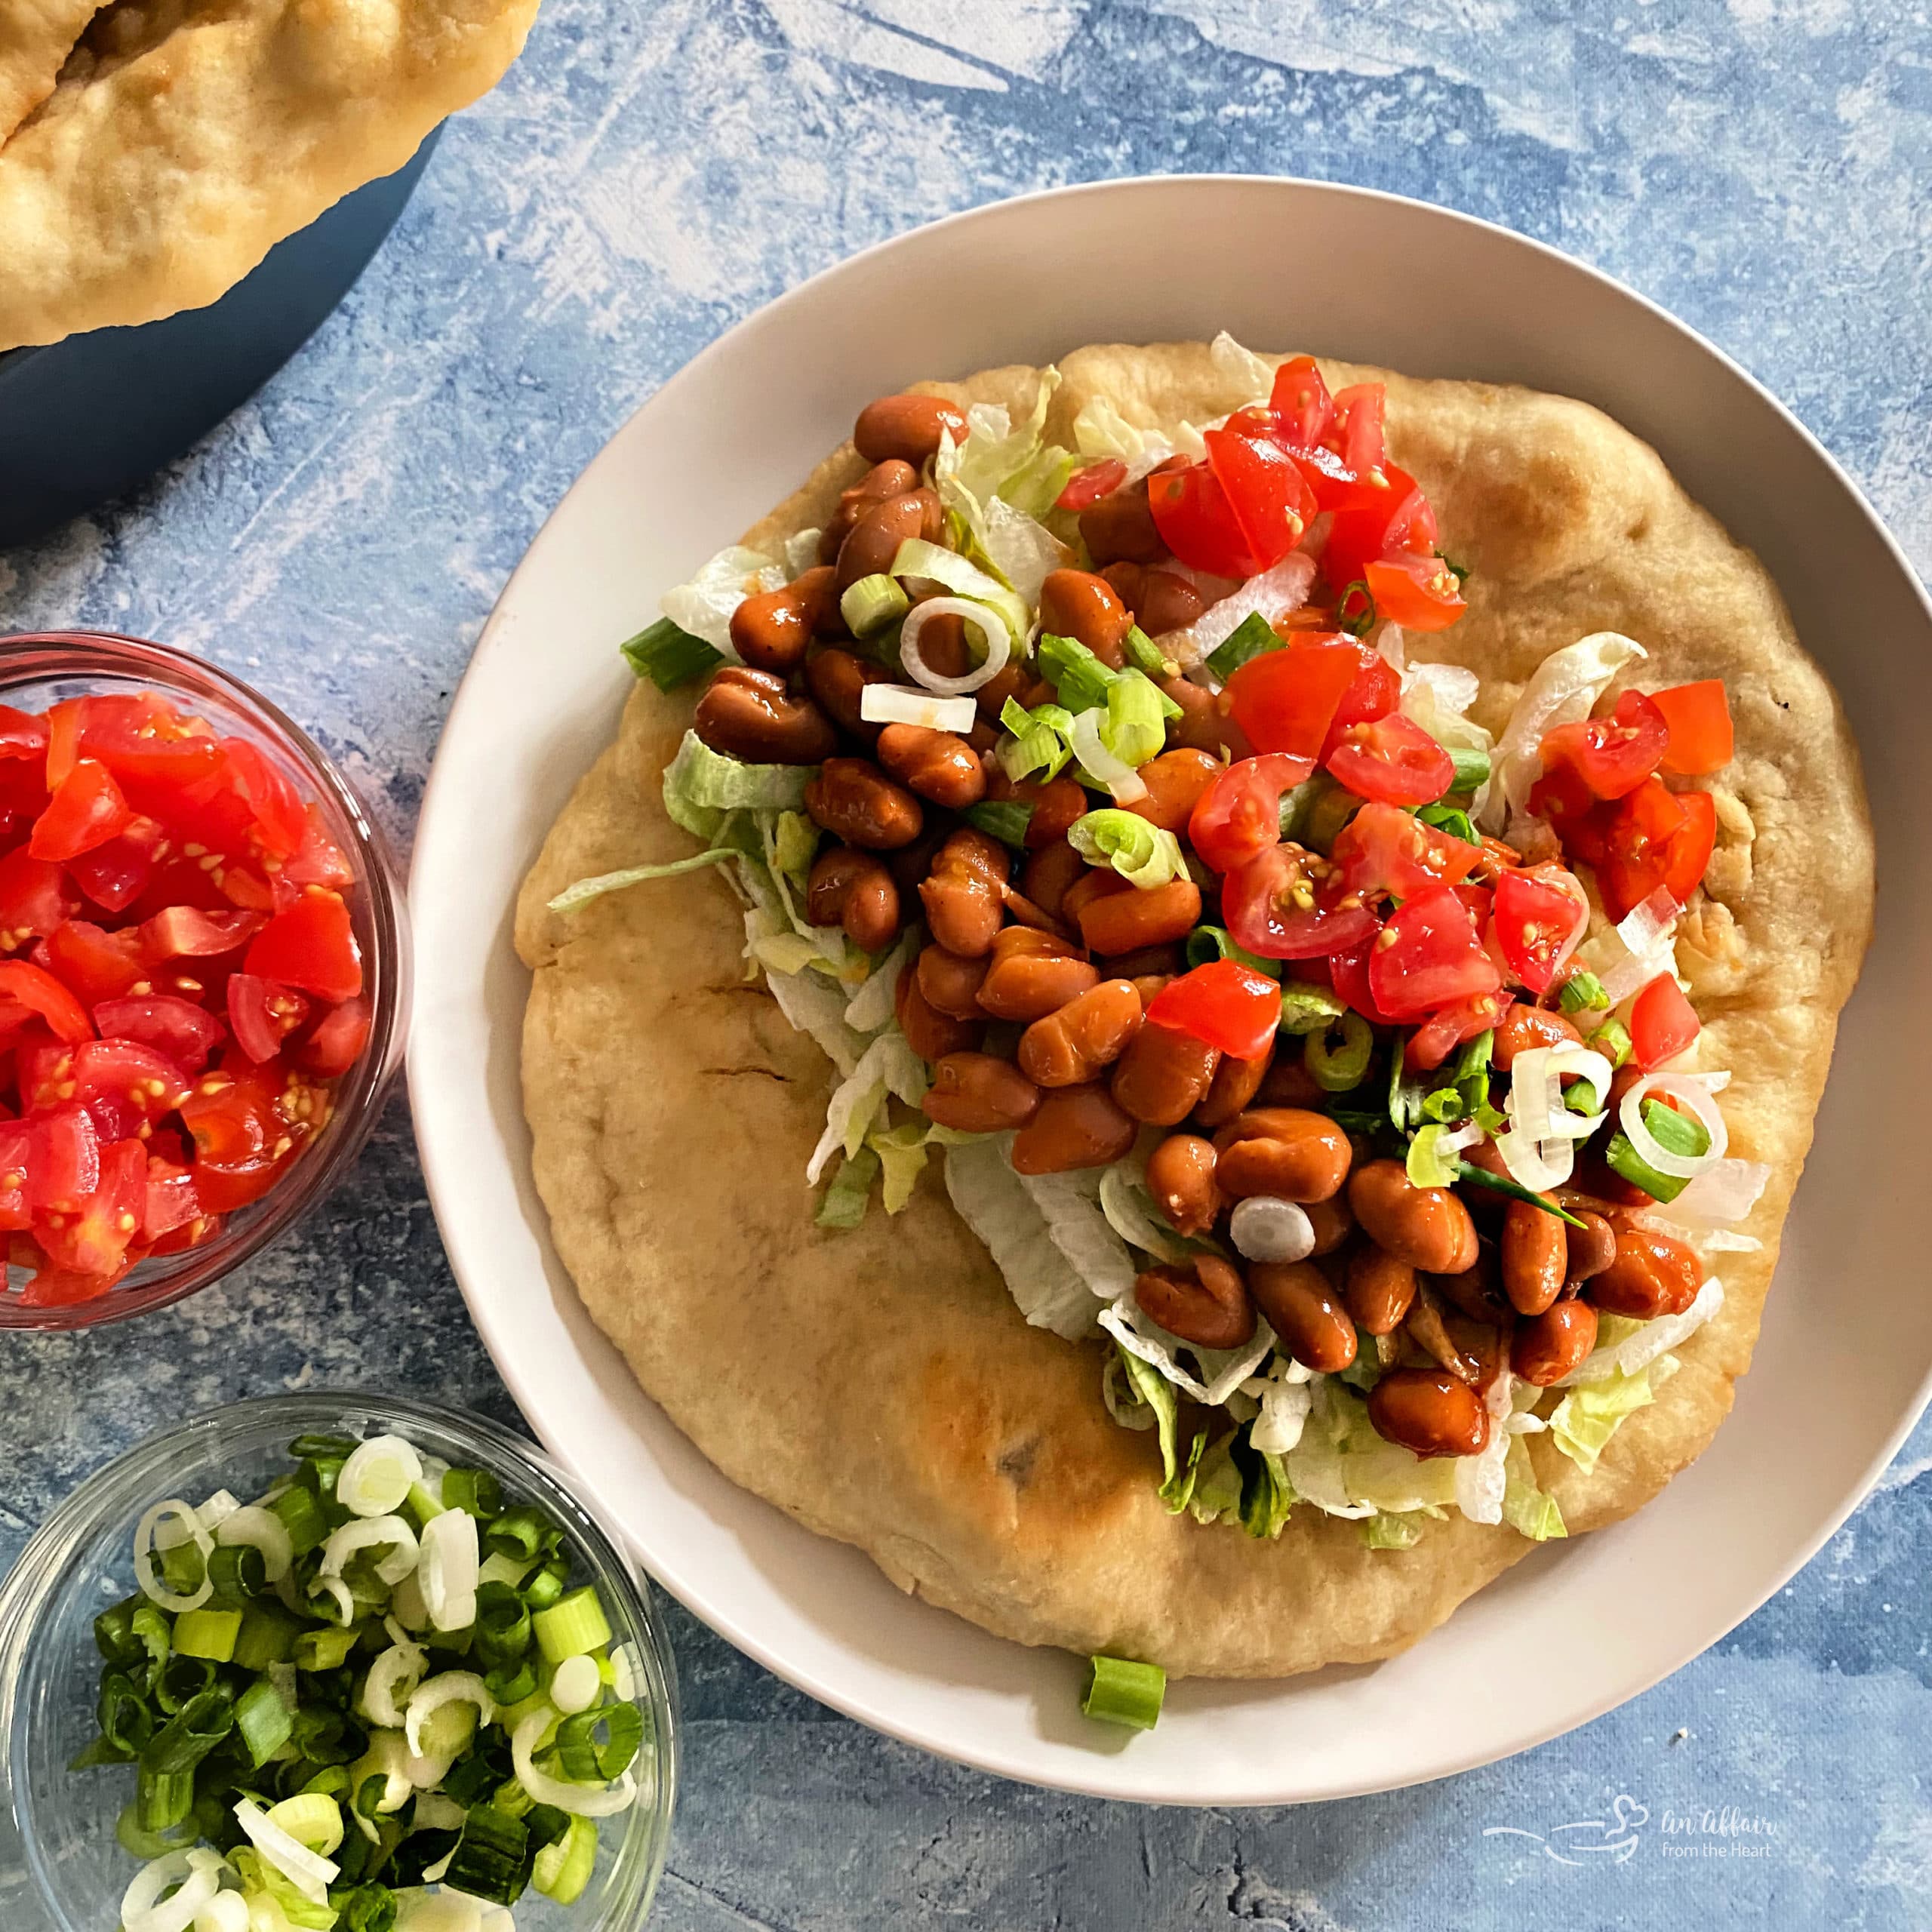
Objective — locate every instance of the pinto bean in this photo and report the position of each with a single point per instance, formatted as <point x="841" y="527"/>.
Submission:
<point x="1202" y="724"/>
<point x="1174" y="780"/>
<point x="1523" y="1027"/>
<point x="962" y="895"/>
<point x="875" y="538"/>
<point x="1429" y="1412"/>
<point x="1076" y="1127"/>
<point x="1167" y="602"/>
<point x="1591" y="1248"/>
<point x="854" y="801"/>
<point x="750" y="715"/>
<point x="931" y="1034"/>
<point x="892" y="477"/>
<point x="1124" y="921"/>
<point x="1236" y="1083"/>
<point x="1033" y="973"/>
<point x="943" y="647"/>
<point x="1428" y="1227"/>
<point x="991" y="697"/>
<point x="1382" y="1287"/>
<point x="1477" y="1292"/>
<point x="1072" y="1043"/>
<point x="1545" y="1348"/>
<point x="1180" y="1177"/>
<point x="1287" y="1083"/>
<point x="1164" y="1074"/>
<point x="1535" y="1257"/>
<point x="1080" y="605"/>
<point x="1286" y="1151"/>
<point x="817" y="590"/>
<point x="1651" y="1275"/>
<point x="951" y="985"/>
<point x="1302" y="1309"/>
<point x="838" y="680"/>
<point x="1047" y="874"/>
<point x="936" y="764"/>
<point x="980" y="1093"/>
<point x="855" y="890"/>
<point x="906" y="427"/>
<point x="1331" y="1221"/>
<point x="1120" y="527"/>
<point x="1203" y="1300"/>
<point x="1056" y="804"/>
<point x="770" y="630"/>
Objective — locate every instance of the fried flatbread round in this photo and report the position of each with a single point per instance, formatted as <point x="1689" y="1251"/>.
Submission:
<point x="880" y="1385"/>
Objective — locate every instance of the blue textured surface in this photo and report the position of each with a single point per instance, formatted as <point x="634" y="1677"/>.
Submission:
<point x="652" y="172"/>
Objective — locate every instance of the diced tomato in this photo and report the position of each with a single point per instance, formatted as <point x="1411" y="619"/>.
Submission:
<point x="115" y="874"/>
<point x="1228" y="1004"/>
<point x="1374" y="692"/>
<point x="1278" y="907"/>
<point x="41" y="1065"/>
<point x="196" y="1233"/>
<point x="1663" y="1023"/>
<point x="1348" y="974"/>
<point x="85" y="810"/>
<point x="1285" y="701"/>
<point x="169" y="1202"/>
<point x="1268" y="495"/>
<point x="1419" y="593"/>
<point x="317" y="861"/>
<point x="1560" y="796"/>
<point x="33" y="896"/>
<point x="1085" y="487"/>
<point x="64" y="1159"/>
<point x="1385" y="852"/>
<point x="16" y="1141"/>
<point x="49" y="1287"/>
<point x="186" y="932"/>
<point x="124" y="1087"/>
<point x="245" y="1132"/>
<point x="1611" y="756"/>
<point x="1429" y="955"/>
<point x="263" y="1014"/>
<point x="1197" y="523"/>
<point x="1239" y="816"/>
<point x="279" y="818"/>
<point x="1448" y="1027"/>
<point x="92" y="1237"/>
<point x="1698" y="718"/>
<point x="34" y="988"/>
<point x="176" y="1028"/>
<point x="1393" y="760"/>
<point x="1653" y="838"/>
<point x="1361" y="535"/>
<point x="1300" y="402"/>
<point x="1361" y="439"/>
<point x="1540" y="915"/>
<point x="63" y="740"/>
<point x="22" y="736"/>
<point x="92" y="963"/>
<point x="336" y="1043"/>
<point x="312" y="946"/>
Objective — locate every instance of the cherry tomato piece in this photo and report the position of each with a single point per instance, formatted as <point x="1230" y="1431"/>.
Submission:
<point x="86" y="810"/>
<point x="337" y="1042"/>
<point x="1268" y="495"/>
<point x="33" y="896"/>
<point x="1393" y="760"/>
<point x="1449" y="1026"/>
<point x="1225" y="1003"/>
<point x="1197" y="523"/>
<point x="1419" y="593"/>
<point x="1654" y="837"/>
<point x="1663" y="1023"/>
<point x="1239" y="816"/>
<point x="177" y="1029"/>
<point x="41" y="992"/>
<point x="1429" y="956"/>
<point x="1286" y="904"/>
<point x="1384" y="851"/>
<point x="1610" y="756"/>
<point x="1285" y="701"/>
<point x="1540" y="915"/>
<point x="1085" y="487"/>
<point x="1698" y="718"/>
<point x="262" y="1014"/>
<point x="92" y="963"/>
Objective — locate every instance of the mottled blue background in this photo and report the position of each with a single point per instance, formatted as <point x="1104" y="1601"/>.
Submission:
<point x="648" y="174"/>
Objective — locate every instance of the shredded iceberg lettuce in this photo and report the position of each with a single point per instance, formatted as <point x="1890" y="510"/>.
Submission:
<point x="1623" y="1346"/>
<point x="1100" y="431"/>
<point x="1222" y="1371"/>
<point x="1529" y="1510"/>
<point x="999" y="483"/>
<point x="1345" y="1468"/>
<point x="1286" y="1394"/>
<point x="888" y="1065"/>
<point x="701" y="786"/>
<point x="1243" y="370"/>
<point x="1590" y="1414"/>
<point x="1129" y="1209"/>
<point x="1561" y="691"/>
<point x="703" y="606"/>
<point x="873" y="1004"/>
<point x="1438" y="697"/>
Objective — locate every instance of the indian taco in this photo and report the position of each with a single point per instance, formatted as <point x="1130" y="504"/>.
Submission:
<point x="1190" y="1002"/>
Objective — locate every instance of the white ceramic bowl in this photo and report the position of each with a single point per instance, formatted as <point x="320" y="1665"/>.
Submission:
<point x="1576" y="1628"/>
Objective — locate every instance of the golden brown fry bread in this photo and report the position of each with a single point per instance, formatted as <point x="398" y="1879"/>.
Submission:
<point x="880" y="1385"/>
<point x="36" y="36"/>
<point x="184" y="141"/>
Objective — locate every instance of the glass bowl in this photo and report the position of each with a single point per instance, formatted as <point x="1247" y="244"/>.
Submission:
<point x="61" y="1869"/>
<point x="38" y="671"/>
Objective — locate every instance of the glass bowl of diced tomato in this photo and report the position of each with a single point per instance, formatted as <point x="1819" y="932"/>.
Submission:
<point x="204" y="976"/>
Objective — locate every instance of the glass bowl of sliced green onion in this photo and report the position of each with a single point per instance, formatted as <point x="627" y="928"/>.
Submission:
<point x="331" y="1664"/>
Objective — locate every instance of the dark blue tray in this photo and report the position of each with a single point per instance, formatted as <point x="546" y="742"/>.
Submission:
<point x="84" y="419"/>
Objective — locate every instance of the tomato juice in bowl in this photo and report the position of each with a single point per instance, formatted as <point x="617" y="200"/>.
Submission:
<point x="204" y="976"/>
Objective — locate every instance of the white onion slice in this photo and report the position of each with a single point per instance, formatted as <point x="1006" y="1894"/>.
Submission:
<point x="1116" y="774"/>
<point x="448" y="1571"/>
<point x="435" y="1813"/>
<point x="371" y="1533"/>
<point x="1482" y="1480"/>
<point x="577" y="1686"/>
<point x="395" y="1674"/>
<point x="1706" y="1241"/>
<point x="376" y="1477"/>
<point x="197" y="1873"/>
<point x="263" y="1530"/>
<point x="217" y="1509"/>
<point x="437" y="1912"/>
<point x="1697" y="1097"/>
<point x="452" y="1687"/>
<point x="1725" y="1192"/>
<point x="987" y="621"/>
<point x="1265" y="1228"/>
<point x="1630" y="955"/>
<point x="899" y="704"/>
<point x="147" y="1573"/>
<point x="1467" y="1135"/>
<point x="228" y="1911"/>
<point x="1535" y="1106"/>
<point x="581" y="1800"/>
<point x="1538" y="1165"/>
<point x="310" y="1873"/>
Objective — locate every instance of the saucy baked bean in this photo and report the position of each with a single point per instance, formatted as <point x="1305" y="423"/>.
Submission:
<point x="1287" y="1083"/>
<point x="838" y="680"/>
<point x="951" y="985"/>
<point x="1302" y="1309"/>
<point x="1591" y="1248"/>
<point x="1174" y="780"/>
<point x="943" y="647"/>
<point x="1651" y="1274"/>
<point x="1080" y="605"/>
<point x="1056" y="804"/>
<point x="1048" y="872"/>
<point x="1428" y="1227"/>
<point x="1180" y="1177"/>
<point x="961" y="893"/>
<point x="1285" y="1151"/>
<point x="1096" y="882"/>
<point x="1429" y="1412"/>
<point x="1202" y="724"/>
<point x="1120" y="528"/>
<point x="908" y="427"/>
<point x="1545" y="1348"/>
<point x="1523" y="1027"/>
<point x="931" y="1034"/>
<point x="1148" y="986"/>
<point x="1162" y="1076"/>
<point x="817" y="590"/>
<point x="1072" y="1044"/>
<point x="1534" y="1255"/>
<point x="936" y="764"/>
<point x="1123" y="921"/>
<point x="875" y="538"/>
<point x="1382" y="1287"/>
<point x="855" y="890"/>
<point x="991" y="697"/>
<point x="1076" y="1127"/>
<point x="1032" y="974"/>
<point x="854" y="801"/>
<point x="1331" y="1221"/>
<point x="1203" y="1300"/>
<point x="770" y="630"/>
<point x="750" y="715"/>
<point x="980" y="1093"/>
<point x="1161" y="600"/>
<point x="893" y="478"/>
<point x="1234" y="1084"/>
<point x="1485" y="1203"/>
<point x="1477" y="1292"/>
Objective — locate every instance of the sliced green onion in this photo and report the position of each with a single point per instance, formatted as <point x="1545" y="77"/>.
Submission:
<point x="1121" y="1692"/>
<point x="126" y="1722"/>
<point x="207" y="1633"/>
<point x="1253" y="636"/>
<point x="237" y="1571"/>
<point x="1451" y="820"/>
<point x="1612" y="1039"/>
<point x="370" y="1908"/>
<point x="1580" y="1097"/>
<point x="376" y="1478"/>
<point x="143" y="1841"/>
<point x="1079" y="679"/>
<point x="1326" y="811"/>
<point x="1676" y="1133"/>
<point x="1440" y="1108"/>
<point x="1336" y="1068"/>
<point x="1582" y="992"/>
<point x="1355" y="609"/>
<point x="577" y="1755"/>
<point x="843" y="1205"/>
<point x="512" y="1683"/>
<point x="543" y="1589"/>
<point x="503" y="1624"/>
<point x="1004" y="820"/>
<point x="1136" y="728"/>
<point x="322" y="1448"/>
<point x="573" y="1625"/>
<point x="1141" y="852"/>
<point x="1040" y="740"/>
<point x="301" y="1516"/>
<point x="1502" y="1184"/>
<point x="327" y="1649"/>
<point x="1144" y="654"/>
<point x="563" y="1869"/>
<point x="1428" y="1165"/>
<point x="490" y="1858"/>
<point x="312" y="1819"/>
<point x="475" y="1491"/>
<point x="1472" y="764"/>
<point x="179" y="1680"/>
<point x="577" y="1684"/>
<point x="268" y="1636"/>
<point x="669" y="655"/>
<point x="188" y="1737"/>
<point x="114" y="1633"/>
<point x="183" y="1568"/>
<point x="1310" y="1009"/>
<point x="522" y="1534"/>
<point x="872" y="604"/>
<point x="163" y="1799"/>
<point x="264" y="1721"/>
